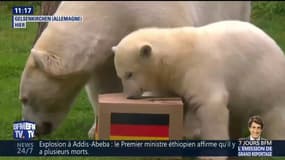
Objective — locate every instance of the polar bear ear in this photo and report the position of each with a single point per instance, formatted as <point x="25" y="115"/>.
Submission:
<point x="49" y="63"/>
<point x="114" y="48"/>
<point x="145" y="51"/>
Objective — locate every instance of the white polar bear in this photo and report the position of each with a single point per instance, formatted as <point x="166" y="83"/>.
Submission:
<point x="223" y="67"/>
<point x="68" y="56"/>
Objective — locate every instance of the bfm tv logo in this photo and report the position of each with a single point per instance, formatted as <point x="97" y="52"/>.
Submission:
<point x="24" y="130"/>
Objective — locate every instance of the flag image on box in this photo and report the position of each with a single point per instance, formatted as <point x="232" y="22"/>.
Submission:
<point x="120" y="118"/>
<point x="137" y="126"/>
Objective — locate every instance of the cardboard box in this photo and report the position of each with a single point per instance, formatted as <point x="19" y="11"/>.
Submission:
<point x="120" y="118"/>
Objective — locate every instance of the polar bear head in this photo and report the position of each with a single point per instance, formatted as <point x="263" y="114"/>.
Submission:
<point x="139" y="64"/>
<point x="45" y="95"/>
<point x="57" y="68"/>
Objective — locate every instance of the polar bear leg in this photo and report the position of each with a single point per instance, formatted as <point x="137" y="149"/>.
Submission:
<point x="235" y="126"/>
<point x="92" y="93"/>
<point x="192" y="126"/>
<point x="274" y="123"/>
<point x="213" y="115"/>
<point x="214" y="120"/>
<point x="103" y="80"/>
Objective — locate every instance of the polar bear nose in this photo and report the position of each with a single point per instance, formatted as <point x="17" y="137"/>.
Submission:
<point x="44" y="128"/>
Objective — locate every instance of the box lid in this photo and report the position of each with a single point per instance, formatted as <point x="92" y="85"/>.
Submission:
<point x="115" y="98"/>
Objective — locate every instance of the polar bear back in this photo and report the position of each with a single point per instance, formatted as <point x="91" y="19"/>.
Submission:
<point x="238" y="55"/>
<point x="250" y="61"/>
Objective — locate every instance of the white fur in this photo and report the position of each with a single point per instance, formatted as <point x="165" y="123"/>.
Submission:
<point x="69" y="55"/>
<point x="228" y="67"/>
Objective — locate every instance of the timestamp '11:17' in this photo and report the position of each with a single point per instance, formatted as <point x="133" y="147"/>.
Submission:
<point x="21" y="10"/>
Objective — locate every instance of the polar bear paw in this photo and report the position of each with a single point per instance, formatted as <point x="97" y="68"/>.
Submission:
<point x="92" y="131"/>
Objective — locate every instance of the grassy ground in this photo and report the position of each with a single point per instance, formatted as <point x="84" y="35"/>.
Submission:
<point x="14" y="50"/>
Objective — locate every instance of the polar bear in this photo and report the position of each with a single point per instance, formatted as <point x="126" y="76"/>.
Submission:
<point x="223" y="67"/>
<point x="69" y="56"/>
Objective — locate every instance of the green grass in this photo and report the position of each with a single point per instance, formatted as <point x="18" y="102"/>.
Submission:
<point x="15" y="47"/>
<point x="14" y="50"/>
<point x="272" y="25"/>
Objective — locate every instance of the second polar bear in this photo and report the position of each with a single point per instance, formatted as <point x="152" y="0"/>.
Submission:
<point x="223" y="68"/>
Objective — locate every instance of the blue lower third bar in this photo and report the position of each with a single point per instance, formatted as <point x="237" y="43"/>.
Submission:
<point x="185" y="148"/>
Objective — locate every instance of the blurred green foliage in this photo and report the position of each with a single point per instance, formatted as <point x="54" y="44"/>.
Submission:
<point x="268" y="8"/>
<point x="8" y="5"/>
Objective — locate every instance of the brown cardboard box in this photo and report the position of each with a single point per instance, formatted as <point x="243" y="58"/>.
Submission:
<point x="117" y="103"/>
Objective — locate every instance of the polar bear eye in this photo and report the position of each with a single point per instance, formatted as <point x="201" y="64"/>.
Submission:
<point x="129" y="75"/>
